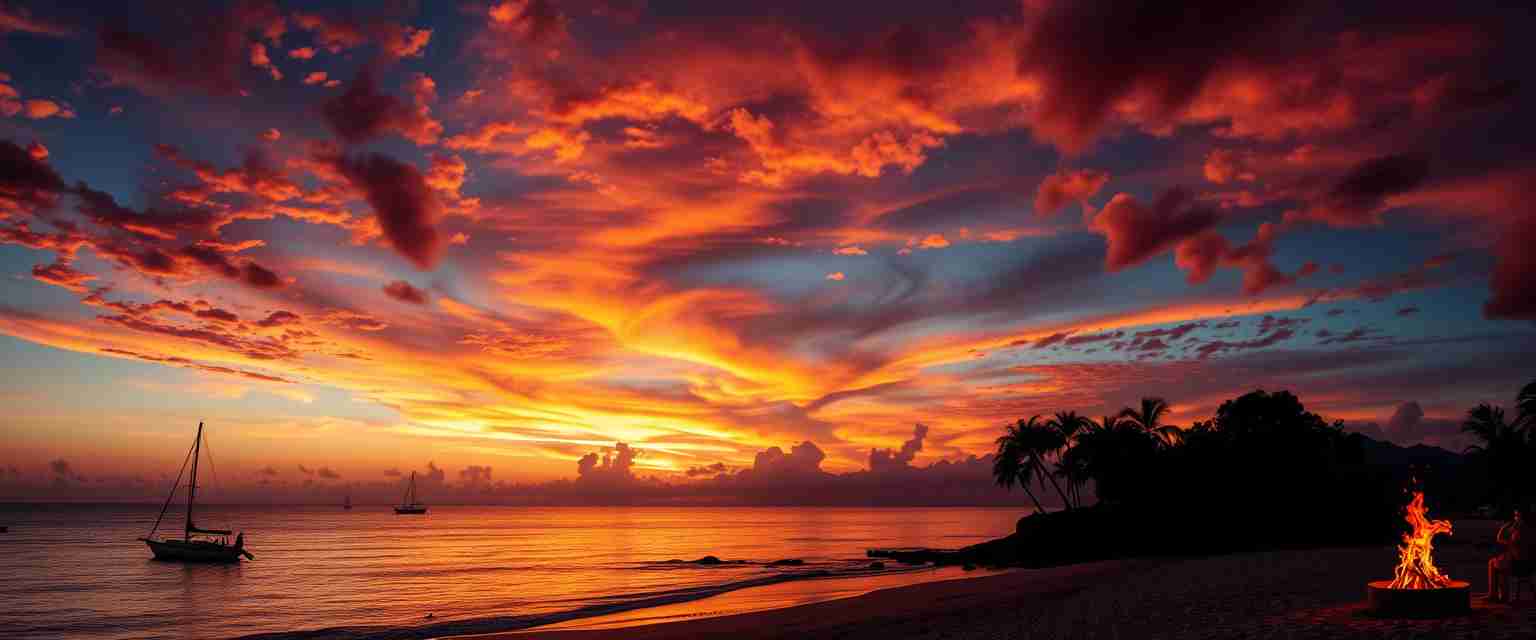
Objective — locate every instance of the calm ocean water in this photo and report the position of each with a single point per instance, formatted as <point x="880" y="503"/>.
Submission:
<point x="77" y="571"/>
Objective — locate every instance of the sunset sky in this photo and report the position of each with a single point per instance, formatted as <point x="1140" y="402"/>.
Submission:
<point x="501" y="236"/>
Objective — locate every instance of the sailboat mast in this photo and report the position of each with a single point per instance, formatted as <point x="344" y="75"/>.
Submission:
<point x="197" y="452"/>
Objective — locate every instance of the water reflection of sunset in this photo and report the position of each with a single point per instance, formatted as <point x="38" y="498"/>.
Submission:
<point x="316" y="564"/>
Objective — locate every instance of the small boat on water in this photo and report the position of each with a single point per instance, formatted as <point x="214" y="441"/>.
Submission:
<point x="347" y="503"/>
<point x="195" y="544"/>
<point x="408" y="505"/>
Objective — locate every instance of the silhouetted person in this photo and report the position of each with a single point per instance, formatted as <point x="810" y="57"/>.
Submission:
<point x="1515" y="559"/>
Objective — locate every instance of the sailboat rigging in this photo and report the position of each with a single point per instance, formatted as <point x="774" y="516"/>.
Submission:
<point x="196" y="544"/>
<point x="408" y="504"/>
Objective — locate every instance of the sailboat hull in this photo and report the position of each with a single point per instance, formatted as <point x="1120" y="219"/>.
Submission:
<point x="406" y="510"/>
<point x="194" y="551"/>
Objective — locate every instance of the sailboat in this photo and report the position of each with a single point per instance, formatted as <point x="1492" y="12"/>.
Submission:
<point x="408" y="504"/>
<point x="195" y="544"/>
<point x="347" y="502"/>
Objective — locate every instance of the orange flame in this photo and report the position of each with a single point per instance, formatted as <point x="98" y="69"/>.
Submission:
<point x="1416" y="563"/>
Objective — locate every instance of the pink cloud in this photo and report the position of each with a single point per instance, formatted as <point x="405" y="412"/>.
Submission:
<point x="404" y="292"/>
<point x="1201" y="254"/>
<point x="1137" y="232"/>
<point x="1058" y="189"/>
<point x="61" y="273"/>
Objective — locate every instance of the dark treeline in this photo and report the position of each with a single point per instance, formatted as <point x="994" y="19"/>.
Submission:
<point x="1263" y="472"/>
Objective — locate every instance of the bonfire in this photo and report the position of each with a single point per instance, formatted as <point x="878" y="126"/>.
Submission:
<point x="1417" y="588"/>
<point x="1416" y="557"/>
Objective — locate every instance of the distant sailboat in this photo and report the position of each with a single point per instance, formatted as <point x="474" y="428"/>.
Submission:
<point x="408" y="505"/>
<point x="195" y="545"/>
<point x="347" y="503"/>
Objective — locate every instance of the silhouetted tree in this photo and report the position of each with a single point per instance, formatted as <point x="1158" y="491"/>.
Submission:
<point x="1525" y="405"/>
<point x="1274" y="473"/>
<point x="1009" y="465"/>
<point x="1149" y="418"/>
<point x="1487" y="423"/>
<point x="1525" y="420"/>
<point x="1106" y="422"/>
<point x="1119" y="459"/>
<point x="1261" y="472"/>
<point x="1033" y="444"/>
<point x="1045" y="441"/>
<point x="1069" y="424"/>
<point x="1506" y="447"/>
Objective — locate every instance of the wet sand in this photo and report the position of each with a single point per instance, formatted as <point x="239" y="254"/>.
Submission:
<point x="1316" y="593"/>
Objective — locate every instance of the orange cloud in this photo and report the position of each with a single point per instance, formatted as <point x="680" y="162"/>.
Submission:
<point x="658" y="219"/>
<point x="1058" y="189"/>
<point x="933" y="241"/>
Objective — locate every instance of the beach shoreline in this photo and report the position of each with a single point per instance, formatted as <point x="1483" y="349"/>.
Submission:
<point x="780" y="595"/>
<point x="1291" y="593"/>
<point x="925" y="604"/>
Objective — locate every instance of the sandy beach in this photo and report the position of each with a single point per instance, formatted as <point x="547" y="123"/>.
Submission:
<point x="1315" y="593"/>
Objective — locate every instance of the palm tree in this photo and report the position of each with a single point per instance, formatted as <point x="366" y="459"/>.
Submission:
<point x="1487" y="423"/>
<point x="1073" y="467"/>
<point x="1105" y="423"/>
<point x="1525" y="406"/>
<point x="1504" y="444"/>
<point x="1078" y="461"/>
<point x="1068" y="424"/>
<point x="1028" y="446"/>
<point x="1150" y="419"/>
<point x="1046" y="441"/>
<point x="1009" y="466"/>
<point x="1116" y="455"/>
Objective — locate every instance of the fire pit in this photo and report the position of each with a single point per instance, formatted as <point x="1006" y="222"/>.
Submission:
<point x="1453" y="599"/>
<point x="1417" y="588"/>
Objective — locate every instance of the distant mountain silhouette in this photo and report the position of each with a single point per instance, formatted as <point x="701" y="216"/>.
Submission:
<point x="1389" y="454"/>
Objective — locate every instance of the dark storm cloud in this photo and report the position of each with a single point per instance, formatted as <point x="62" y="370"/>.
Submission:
<point x="1360" y="195"/>
<point x="363" y="113"/>
<point x="198" y="48"/>
<point x="1092" y="55"/>
<point x="404" y="292"/>
<point x="406" y="208"/>
<point x="26" y="178"/>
